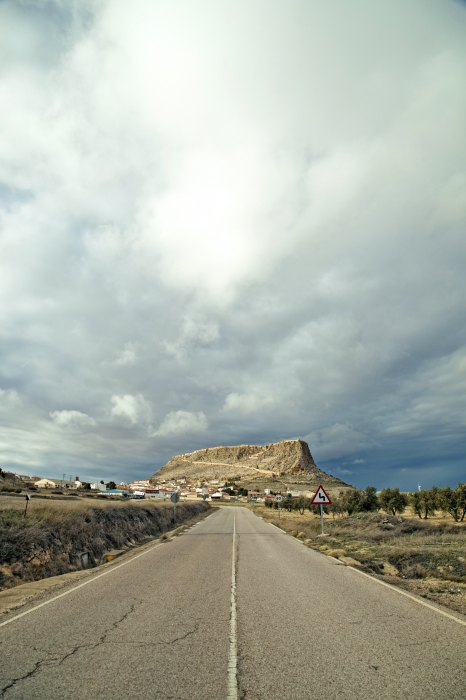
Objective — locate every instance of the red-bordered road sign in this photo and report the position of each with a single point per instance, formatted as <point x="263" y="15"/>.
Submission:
<point x="321" y="497"/>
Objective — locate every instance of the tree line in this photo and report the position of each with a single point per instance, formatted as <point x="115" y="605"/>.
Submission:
<point x="393" y="501"/>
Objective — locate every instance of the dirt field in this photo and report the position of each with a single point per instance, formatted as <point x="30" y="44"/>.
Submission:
<point x="69" y="503"/>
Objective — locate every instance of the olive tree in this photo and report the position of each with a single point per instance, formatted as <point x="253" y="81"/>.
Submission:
<point x="448" y="502"/>
<point x="370" y="502"/>
<point x="393" y="501"/>
<point x="425" y="503"/>
<point x="453" y="501"/>
<point x="302" y="503"/>
<point x="461" y="496"/>
<point x="351" y="501"/>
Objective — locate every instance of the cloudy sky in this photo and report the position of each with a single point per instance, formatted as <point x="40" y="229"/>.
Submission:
<point x="233" y="222"/>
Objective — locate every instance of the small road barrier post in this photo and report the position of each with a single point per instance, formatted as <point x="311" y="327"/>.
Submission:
<point x="174" y="498"/>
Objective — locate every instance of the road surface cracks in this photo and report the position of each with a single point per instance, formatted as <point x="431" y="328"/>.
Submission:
<point x="58" y="660"/>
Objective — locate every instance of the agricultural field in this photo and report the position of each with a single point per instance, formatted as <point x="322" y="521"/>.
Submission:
<point x="61" y="503"/>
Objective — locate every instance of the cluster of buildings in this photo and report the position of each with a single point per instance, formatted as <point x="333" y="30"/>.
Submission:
<point x="74" y="484"/>
<point x="214" y="490"/>
<point x="71" y="484"/>
<point x="143" y="488"/>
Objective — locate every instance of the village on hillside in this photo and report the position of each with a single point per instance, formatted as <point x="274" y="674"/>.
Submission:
<point x="254" y="473"/>
<point x="214" y="490"/>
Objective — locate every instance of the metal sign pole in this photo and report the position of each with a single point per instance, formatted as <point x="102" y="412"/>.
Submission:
<point x="322" y="498"/>
<point x="278" y="500"/>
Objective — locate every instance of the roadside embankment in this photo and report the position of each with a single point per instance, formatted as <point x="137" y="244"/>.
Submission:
<point x="49" y="541"/>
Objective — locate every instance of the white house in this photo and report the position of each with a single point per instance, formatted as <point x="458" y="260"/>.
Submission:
<point x="45" y="484"/>
<point x="57" y="484"/>
<point x="98" y="486"/>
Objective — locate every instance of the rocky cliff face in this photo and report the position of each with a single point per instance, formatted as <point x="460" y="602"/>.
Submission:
<point x="290" y="459"/>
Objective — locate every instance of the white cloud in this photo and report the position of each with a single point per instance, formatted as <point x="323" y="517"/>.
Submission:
<point x="246" y="403"/>
<point x="9" y="398"/>
<point x="182" y="422"/>
<point x="71" y="418"/>
<point x="133" y="408"/>
<point x="127" y="356"/>
<point x="194" y="333"/>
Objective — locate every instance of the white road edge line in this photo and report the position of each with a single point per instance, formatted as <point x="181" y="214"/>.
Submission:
<point x="233" y="647"/>
<point x="408" y="595"/>
<point x="71" y="590"/>
<point x="394" y="588"/>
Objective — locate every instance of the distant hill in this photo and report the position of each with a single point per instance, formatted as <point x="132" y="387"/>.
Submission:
<point x="8" y="480"/>
<point x="289" y="460"/>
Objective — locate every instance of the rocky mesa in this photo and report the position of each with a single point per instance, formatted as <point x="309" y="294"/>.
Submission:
<point x="290" y="460"/>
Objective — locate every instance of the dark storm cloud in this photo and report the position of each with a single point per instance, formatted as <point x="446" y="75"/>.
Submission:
<point x="226" y="224"/>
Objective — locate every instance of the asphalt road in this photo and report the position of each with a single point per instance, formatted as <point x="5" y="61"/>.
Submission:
<point x="160" y="626"/>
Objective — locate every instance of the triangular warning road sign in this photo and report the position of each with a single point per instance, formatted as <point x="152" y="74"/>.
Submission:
<point x="321" y="497"/>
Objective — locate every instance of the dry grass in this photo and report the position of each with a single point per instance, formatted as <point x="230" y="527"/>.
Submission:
<point x="67" y="503"/>
<point x="426" y="557"/>
<point x="51" y="538"/>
